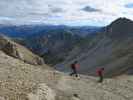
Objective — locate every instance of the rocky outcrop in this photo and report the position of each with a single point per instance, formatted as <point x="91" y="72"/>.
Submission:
<point x="15" y="50"/>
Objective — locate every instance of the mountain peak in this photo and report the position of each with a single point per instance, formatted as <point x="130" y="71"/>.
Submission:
<point x="120" y="27"/>
<point x="122" y="20"/>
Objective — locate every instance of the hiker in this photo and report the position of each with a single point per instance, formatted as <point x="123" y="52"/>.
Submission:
<point x="100" y="74"/>
<point x="74" y="67"/>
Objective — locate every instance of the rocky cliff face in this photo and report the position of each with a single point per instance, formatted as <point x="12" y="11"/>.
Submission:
<point x="15" y="50"/>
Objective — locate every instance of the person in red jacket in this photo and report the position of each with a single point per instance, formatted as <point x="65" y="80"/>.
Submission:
<point x="100" y="74"/>
<point x="74" y="67"/>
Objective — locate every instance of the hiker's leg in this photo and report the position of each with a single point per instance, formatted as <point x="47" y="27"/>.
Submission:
<point x="101" y="79"/>
<point x="75" y="72"/>
<point x="72" y="73"/>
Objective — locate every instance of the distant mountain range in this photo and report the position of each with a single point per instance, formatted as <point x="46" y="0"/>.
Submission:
<point x="25" y="30"/>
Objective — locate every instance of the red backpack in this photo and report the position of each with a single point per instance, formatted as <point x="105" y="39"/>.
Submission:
<point x="99" y="71"/>
<point x="75" y="66"/>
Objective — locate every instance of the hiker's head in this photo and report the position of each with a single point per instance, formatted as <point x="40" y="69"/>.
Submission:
<point x="102" y="68"/>
<point x="75" y="62"/>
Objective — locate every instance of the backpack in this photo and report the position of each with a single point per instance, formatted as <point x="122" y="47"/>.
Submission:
<point x="77" y="66"/>
<point x="99" y="72"/>
<point x="73" y="66"/>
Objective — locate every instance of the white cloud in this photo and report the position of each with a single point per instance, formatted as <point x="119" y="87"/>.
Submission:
<point x="63" y="11"/>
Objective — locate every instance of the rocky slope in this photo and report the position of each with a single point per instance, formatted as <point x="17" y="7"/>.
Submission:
<point x="15" y="50"/>
<point x="21" y="81"/>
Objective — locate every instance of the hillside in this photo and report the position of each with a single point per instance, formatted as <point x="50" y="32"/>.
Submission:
<point x="21" y="81"/>
<point x="111" y="49"/>
<point x="56" y="44"/>
<point x="13" y="49"/>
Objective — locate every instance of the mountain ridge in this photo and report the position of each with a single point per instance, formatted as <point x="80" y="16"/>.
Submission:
<point x="24" y="30"/>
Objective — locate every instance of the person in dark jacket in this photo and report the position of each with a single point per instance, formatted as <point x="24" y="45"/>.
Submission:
<point x="100" y="72"/>
<point x="74" y="67"/>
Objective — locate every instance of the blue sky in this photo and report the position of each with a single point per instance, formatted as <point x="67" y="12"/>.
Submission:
<point x="129" y="5"/>
<point x="66" y="12"/>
